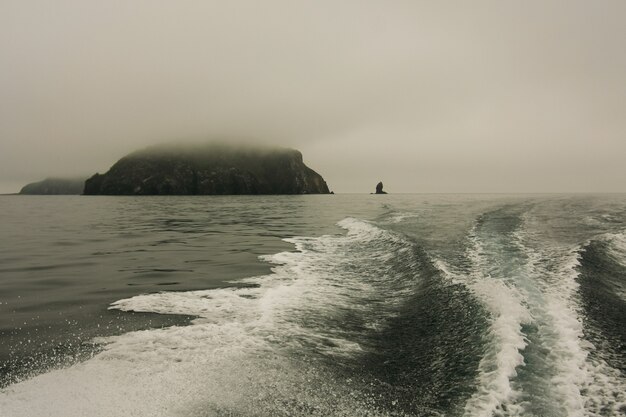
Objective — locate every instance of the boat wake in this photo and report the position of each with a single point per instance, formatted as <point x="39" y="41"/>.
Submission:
<point x="370" y="323"/>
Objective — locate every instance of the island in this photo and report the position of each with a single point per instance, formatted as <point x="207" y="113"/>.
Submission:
<point x="208" y="169"/>
<point x="55" y="186"/>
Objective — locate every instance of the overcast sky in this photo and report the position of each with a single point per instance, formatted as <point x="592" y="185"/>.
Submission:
<point x="427" y="96"/>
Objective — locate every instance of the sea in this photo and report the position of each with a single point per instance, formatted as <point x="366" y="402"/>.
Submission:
<point x="313" y="305"/>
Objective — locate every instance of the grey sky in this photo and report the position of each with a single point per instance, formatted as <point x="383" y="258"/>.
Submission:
<point x="437" y="96"/>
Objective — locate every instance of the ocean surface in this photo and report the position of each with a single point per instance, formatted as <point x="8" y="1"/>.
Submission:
<point x="328" y="305"/>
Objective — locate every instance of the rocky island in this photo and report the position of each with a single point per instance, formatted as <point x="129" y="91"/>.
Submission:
<point x="55" y="186"/>
<point x="208" y="169"/>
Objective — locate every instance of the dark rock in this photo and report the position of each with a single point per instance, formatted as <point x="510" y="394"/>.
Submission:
<point x="208" y="169"/>
<point x="55" y="186"/>
<point x="379" y="188"/>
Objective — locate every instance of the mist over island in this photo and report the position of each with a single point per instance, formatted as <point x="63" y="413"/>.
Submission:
<point x="55" y="186"/>
<point x="209" y="169"/>
<point x="212" y="168"/>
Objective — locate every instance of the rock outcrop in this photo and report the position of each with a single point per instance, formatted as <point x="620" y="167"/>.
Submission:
<point x="379" y="188"/>
<point x="208" y="169"/>
<point x="55" y="186"/>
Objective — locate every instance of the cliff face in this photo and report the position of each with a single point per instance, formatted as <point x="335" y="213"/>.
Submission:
<point x="55" y="186"/>
<point x="207" y="170"/>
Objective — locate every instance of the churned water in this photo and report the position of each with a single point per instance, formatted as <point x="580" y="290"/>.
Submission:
<point x="334" y="305"/>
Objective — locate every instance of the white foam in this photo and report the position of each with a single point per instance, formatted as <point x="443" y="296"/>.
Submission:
<point x="617" y="246"/>
<point x="560" y="330"/>
<point x="580" y="386"/>
<point x="540" y="289"/>
<point x="402" y="216"/>
<point x="237" y="356"/>
<point x="498" y="366"/>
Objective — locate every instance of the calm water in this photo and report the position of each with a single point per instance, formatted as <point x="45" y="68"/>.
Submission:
<point x="347" y="305"/>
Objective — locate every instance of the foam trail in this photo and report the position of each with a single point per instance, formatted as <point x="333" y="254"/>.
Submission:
<point x="535" y="286"/>
<point x="552" y="303"/>
<point x="575" y="383"/>
<point x="400" y="217"/>
<point x="618" y="245"/>
<point x="246" y="352"/>
<point x="527" y="286"/>
<point x="606" y="390"/>
<point x="616" y="249"/>
<point x="498" y="366"/>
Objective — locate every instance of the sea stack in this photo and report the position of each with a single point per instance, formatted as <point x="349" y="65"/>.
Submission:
<point x="208" y="169"/>
<point x="379" y="188"/>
